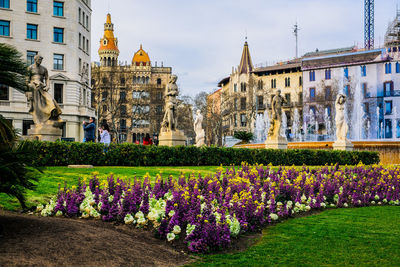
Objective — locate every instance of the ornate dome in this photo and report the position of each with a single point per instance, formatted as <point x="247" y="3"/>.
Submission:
<point x="141" y="57"/>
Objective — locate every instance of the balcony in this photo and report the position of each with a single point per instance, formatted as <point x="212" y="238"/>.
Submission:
<point x="261" y="106"/>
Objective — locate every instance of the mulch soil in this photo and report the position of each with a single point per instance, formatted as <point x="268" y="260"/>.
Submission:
<point x="29" y="240"/>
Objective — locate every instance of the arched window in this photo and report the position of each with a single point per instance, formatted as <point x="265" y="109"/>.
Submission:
<point x="134" y="138"/>
<point x="260" y="85"/>
<point x="109" y="62"/>
<point x="159" y="81"/>
<point x="147" y="80"/>
<point x="288" y="82"/>
<point x="300" y="81"/>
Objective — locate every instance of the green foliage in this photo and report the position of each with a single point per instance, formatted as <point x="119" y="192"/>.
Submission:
<point x="340" y="237"/>
<point x="13" y="69"/>
<point x="243" y="135"/>
<point x="15" y="175"/>
<point x="66" y="153"/>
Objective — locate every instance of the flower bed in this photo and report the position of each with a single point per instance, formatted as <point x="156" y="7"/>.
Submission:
<point x="208" y="212"/>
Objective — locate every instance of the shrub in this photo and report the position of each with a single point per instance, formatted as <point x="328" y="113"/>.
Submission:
<point x="66" y="153"/>
<point x="243" y="135"/>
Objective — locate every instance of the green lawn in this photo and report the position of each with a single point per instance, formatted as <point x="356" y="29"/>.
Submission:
<point x="52" y="176"/>
<point x="367" y="236"/>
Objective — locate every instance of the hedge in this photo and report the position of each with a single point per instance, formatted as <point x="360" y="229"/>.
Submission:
<point x="68" y="153"/>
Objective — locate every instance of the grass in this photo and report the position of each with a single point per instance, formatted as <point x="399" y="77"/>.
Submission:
<point x="50" y="178"/>
<point x="366" y="236"/>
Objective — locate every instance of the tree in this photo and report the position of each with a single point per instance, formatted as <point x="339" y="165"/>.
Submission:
<point x="13" y="69"/>
<point x="15" y="174"/>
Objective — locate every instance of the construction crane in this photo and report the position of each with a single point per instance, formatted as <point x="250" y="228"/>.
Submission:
<point x="369" y="24"/>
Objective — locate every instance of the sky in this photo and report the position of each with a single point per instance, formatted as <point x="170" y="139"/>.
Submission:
<point x="203" y="39"/>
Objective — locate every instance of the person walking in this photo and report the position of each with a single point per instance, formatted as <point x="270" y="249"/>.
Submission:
<point x="147" y="140"/>
<point x="89" y="129"/>
<point x="105" y="134"/>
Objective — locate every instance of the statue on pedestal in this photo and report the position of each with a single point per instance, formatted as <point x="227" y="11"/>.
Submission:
<point x="170" y="135"/>
<point x="275" y="139"/>
<point x="43" y="108"/>
<point x="200" y="135"/>
<point x="341" y="143"/>
<point x="171" y="92"/>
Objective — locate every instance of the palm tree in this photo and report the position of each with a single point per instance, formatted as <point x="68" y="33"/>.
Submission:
<point x="15" y="174"/>
<point x="13" y="69"/>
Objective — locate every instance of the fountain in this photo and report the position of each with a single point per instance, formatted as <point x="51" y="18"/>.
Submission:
<point x="355" y="122"/>
<point x="296" y="125"/>
<point x="327" y="121"/>
<point x="259" y="129"/>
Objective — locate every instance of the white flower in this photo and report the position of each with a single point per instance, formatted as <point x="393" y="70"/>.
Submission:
<point x="39" y="208"/>
<point x="385" y="200"/>
<point x="59" y="213"/>
<point x="289" y="204"/>
<point x="308" y="208"/>
<point x="345" y="205"/>
<point x="296" y="209"/>
<point x="141" y="221"/>
<point x="373" y="202"/>
<point x="85" y="215"/>
<point x="314" y="201"/>
<point x="171" y="213"/>
<point x="323" y="205"/>
<point x="139" y="215"/>
<point x="129" y="219"/>
<point x="359" y="202"/>
<point x="176" y="230"/>
<point x="110" y="198"/>
<point x="336" y="198"/>
<point x="379" y="203"/>
<point x="234" y="227"/>
<point x="303" y="198"/>
<point x="273" y="216"/>
<point x="190" y="228"/>
<point x="279" y="204"/>
<point x="332" y="205"/>
<point x="93" y="213"/>
<point x="376" y="197"/>
<point x="170" y="237"/>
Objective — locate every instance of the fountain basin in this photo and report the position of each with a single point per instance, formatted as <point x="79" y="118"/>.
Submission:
<point x="389" y="151"/>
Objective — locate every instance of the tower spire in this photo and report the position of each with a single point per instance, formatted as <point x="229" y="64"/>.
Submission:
<point x="108" y="50"/>
<point x="246" y="65"/>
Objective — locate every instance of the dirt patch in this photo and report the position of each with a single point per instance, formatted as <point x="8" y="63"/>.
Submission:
<point x="48" y="241"/>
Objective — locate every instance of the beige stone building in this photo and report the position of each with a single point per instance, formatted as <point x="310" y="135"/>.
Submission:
<point x="60" y="31"/>
<point x="130" y="98"/>
<point x="248" y="91"/>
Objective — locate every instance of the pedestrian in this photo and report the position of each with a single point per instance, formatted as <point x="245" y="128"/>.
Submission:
<point x="147" y="140"/>
<point x="89" y="129"/>
<point x="104" y="132"/>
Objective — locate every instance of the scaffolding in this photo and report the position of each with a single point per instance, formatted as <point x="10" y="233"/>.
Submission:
<point x="392" y="36"/>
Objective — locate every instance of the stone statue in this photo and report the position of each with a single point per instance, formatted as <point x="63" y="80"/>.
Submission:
<point x="171" y="92"/>
<point x="200" y="135"/>
<point x="341" y="125"/>
<point x="43" y="107"/>
<point x="276" y="116"/>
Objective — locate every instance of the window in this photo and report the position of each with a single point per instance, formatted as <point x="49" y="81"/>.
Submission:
<point x="328" y="93"/>
<point x="159" y="110"/>
<point x="58" y="93"/>
<point x="122" y="96"/>
<point x="388" y="107"/>
<point x="122" y="124"/>
<point x="235" y="104"/>
<point x="87" y="45"/>
<point x="273" y="83"/>
<point x="123" y="110"/>
<point x="388" y="68"/>
<point x="26" y="125"/>
<point x="260" y="101"/>
<point x="328" y="74"/>
<point x="363" y="71"/>
<point x="4" y="92"/>
<point x="397" y="67"/>
<point x="398" y="128"/>
<point x="346" y="72"/>
<point x="260" y="85"/>
<point x="58" y="35"/>
<point x="159" y="96"/>
<point x="58" y="61"/>
<point x="243" y="87"/>
<point x="4" y="28"/>
<point x="122" y="81"/>
<point x="104" y="108"/>
<point x="235" y="120"/>
<point x="312" y="94"/>
<point x="287" y="82"/>
<point x="80" y="40"/>
<point x="83" y="43"/>
<point x="31" y="31"/>
<point x="312" y="76"/>
<point x="243" y="103"/>
<point x="329" y="110"/>
<point x="79" y="15"/>
<point x="243" y="120"/>
<point x="31" y="6"/>
<point x="235" y="87"/>
<point x="5" y="3"/>
<point x="158" y="81"/>
<point x="87" y="21"/>
<point x="58" y="9"/>
<point x="388" y="128"/>
<point x="388" y="88"/>
<point x="312" y="110"/>
<point x="104" y="95"/>
<point x="30" y="57"/>
<point x="347" y="90"/>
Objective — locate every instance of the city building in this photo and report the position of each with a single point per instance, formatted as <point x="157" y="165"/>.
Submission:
<point x="129" y="97"/>
<point x="60" y="32"/>
<point x="248" y="92"/>
<point x="213" y="119"/>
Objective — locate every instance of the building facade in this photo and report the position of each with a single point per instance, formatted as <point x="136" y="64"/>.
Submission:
<point x="130" y="98"/>
<point x="60" y="32"/>
<point x="248" y="92"/>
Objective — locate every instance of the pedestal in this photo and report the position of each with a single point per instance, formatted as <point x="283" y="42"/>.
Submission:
<point x="276" y="143"/>
<point x="45" y="132"/>
<point x="343" y="145"/>
<point x="172" y="138"/>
